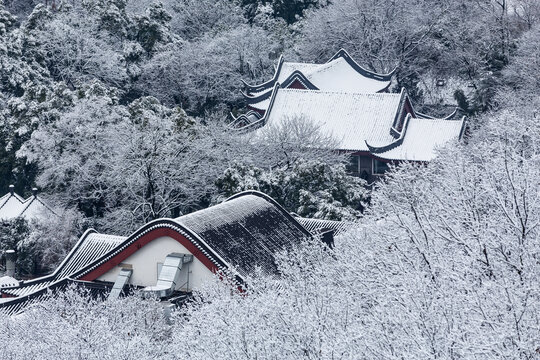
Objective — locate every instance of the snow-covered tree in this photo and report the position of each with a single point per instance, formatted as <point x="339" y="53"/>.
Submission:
<point x="73" y="324"/>
<point x="206" y="72"/>
<point x="309" y="188"/>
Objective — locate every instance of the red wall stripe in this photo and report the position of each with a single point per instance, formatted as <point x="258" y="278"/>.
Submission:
<point x="143" y="240"/>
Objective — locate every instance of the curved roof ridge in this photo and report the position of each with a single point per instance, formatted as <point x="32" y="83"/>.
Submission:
<point x="295" y="75"/>
<point x="250" y="112"/>
<point x="304" y="80"/>
<point x="82" y="239"/>
<point x="377" y="149"/>
<point x="421" y="129"/>
<point x="244" y="117"/>
<point x="447" y="117"/>
<point x="143" y="230"/>
<point x="59" y="267"/>
<point x="262" y="120"/>
<point x="255" y="99"/>
<point x="342" y="53"/>
<point x="238" y="235"/>
<point x="181" y="225"/>
<point x="196" y="236"/>
<point x="267" y="84"/>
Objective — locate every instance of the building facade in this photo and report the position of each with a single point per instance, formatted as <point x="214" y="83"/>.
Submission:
<point x="169" y="257"/>
<point x="352" y="105"/>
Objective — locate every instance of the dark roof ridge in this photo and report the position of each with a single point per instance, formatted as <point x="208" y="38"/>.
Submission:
<point x="295" y="75"/>
<point x="447" y="117"/>
<point x="267" y="84"/>
<point x="152" y="225"/>
<point x="374" y="150"/>
<point x="262" y="121"/>
<point x="394" y="144"/>
<point x="342" y="53"/>
<point x="200" y="240"/>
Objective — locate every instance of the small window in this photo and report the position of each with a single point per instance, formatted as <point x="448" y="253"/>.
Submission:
<point x="380" y="167"/>
<point x="352" y="166"/>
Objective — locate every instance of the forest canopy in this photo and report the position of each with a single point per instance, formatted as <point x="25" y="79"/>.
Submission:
<point x="118" y="111"/>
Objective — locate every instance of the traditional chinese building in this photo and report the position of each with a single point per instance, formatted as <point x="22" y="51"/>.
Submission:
<point x="167" y="258"/>
<point x="352" y="104"/>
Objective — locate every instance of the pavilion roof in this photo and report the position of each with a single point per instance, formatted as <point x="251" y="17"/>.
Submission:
<point x="350" y="118"/>
<point x="420" y="139"/>
<point x="11" y="206"/>
<point x="340" y="73"/>
<point x="383" y="124"/>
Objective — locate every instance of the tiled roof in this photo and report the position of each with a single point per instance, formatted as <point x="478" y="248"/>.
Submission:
<point x="93" y="247"/>
<point x="261" y="105"/>
<point x="8" y="281"/>
<point x="315" y="225"/>
<point x="420" y="139"/>
<point x="351" y="118"/>
<point x="340" y="73"/>
<point x="12" y="206"/>
<point x="246" y="231"/>
<point x="89" y="248"/>
<point x="13" y="306"/>
<point x="290" y="67"/>
<point x="362" y="122"/>
<point x="336" y="75"/>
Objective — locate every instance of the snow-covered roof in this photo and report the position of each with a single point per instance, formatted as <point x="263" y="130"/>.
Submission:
<point x="34" y="206"/>
<point x="341" y="73"/>
<point x="90" y="247"/>
<point x="383" y="124"/>
<point x="351" y="118"/>
<point x="261" y="104"/>
<point x="420" y="139"/>
<point x="8" y="281"/>
<point x="317" y="225"/>
<point x="243" y="233"/>
<point x="246" y="231"/>
<point x="336" y="75"/>
<point x="12" y="206"/>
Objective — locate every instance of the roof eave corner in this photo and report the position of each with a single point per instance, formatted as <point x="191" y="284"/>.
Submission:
<point x="268" y="83"/>
<point x="340" y="53"/>
<point x="450" y="116"/>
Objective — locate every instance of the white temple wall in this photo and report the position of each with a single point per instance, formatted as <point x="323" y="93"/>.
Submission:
<point x="144" y="263"/>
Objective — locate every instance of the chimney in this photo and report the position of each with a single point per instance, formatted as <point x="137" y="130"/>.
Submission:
<point x="10" y="262"/>
<point x="34" y="191"/>
<point x="11" y="189"/>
